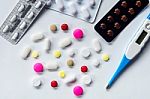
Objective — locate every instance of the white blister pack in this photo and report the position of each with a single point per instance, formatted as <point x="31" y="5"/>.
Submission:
<point x="20" y="19"/>
<point x="82" y="9"/>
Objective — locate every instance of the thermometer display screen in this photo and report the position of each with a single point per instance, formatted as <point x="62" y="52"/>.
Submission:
<point x="141" y="37"/>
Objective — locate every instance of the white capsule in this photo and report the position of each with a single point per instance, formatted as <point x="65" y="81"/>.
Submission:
<point x="96" y="45"/>
<point x="38" y="5"/>
<point x="85" y="52"/>
<point x="96" y="62"/>
<point x="85" y="13"/>
<point x="47" y="45"/>
<point x="23" y="25"/>
<point x="25" y="52"/>
<point x="15" y="36"/>
<point x="65" y="42"/>
<point x="36" y="82"/>
<point x="13" y="19"/>
<point x="72" y="8"/>
<point x="31" y="15"/>
<point x="51" y="65"/>
<point x="87" y="80"/>
<point x="21" y="8"/>
<point x="37" y="37"/>
<point x="60" y="4"/>
<point x="6" y="28"/>
<point x="70" y="78"/>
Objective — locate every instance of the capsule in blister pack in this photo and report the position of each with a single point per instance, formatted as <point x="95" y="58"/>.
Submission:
<point x="20" y="19"/>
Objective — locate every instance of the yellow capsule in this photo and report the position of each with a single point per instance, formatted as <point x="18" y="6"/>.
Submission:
<point x="57" y="54"/>
<point x="61" y="74"/>
<point x="35" y="54"/>
<point x="105" y="57"/>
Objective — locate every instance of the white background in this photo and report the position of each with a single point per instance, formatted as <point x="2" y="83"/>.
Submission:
<point x="16" y="74"/>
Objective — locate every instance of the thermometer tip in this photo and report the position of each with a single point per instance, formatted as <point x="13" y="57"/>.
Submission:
<point x="108" y="87"/>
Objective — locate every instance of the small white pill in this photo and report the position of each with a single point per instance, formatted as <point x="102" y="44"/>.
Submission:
<point x="13" y="19"/>
<point x="96" y="45"/>
<point x="65" y="42"/>
<point x="70" y="78"/>
<point x="37" y="37"/>
<point x="71" y="53"/>
<point x="25" y="52"/>
<point x="85" y="52"/>
<point x="6" y="28"/>
<point x="38" y="5"/>
<point x="15" y="36"/>
<point x="60" y="4"/>
<point x="23" y="25"/>
<point x="21" y="8"/>
<point x="36" y="82"/>
<point x="47" y="45"/>
<point x="31" y="15"/>
<point x="96" y="62"/>
<point x="87" y="80"/>
<point x="53" y="66"/>
<point x="85" y="13"/>
<point x="72" y="8"/>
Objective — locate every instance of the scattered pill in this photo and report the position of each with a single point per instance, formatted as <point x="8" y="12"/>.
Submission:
<point x="38" y="5"/>
<point x="61" y="74"/>
<point x="51" y="65"/>
<point x="38" y="68"/>
<point x="47" y="45"/>
<point x="65" y="42"/>
<point x="37" y="37"/>
<point x="96" y="62"/>
<point x="70" y="78"/>
<point x="96" y="45"/>
<point x="53" y="28"/>
<point x="35" y="54"/>
<point x="78" y="34"/>
<point x="71" y="53"/>
<point x="36" y="82"/>
<point x="54" y="84"/>
<point x="84" y="69"/>
<point x="85" y="52"/>
<point x="25" y="52"/>
<point x="78" y="90"/>
<point x="105" y="57"/>
<point x="57" y="54"/>
<point x="86" y="79"/>
<point x="64" y="27"/>
<point x="70" y="62"/>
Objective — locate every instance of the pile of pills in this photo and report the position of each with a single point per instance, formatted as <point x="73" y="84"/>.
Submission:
<point x="68" y="78"/>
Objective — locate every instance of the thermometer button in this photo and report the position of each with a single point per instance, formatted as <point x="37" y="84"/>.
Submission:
<point x="147" y="26"/>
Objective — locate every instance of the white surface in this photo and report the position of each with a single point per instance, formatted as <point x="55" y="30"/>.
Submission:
<point x="16" y="74"/>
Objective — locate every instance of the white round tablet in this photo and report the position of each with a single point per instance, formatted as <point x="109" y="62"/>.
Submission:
<point x="85" y="52"/>
<point x="71" y="53"/>
<point x="36" y="82"/>
<point x="87" y="80"/>
<point x="96" y="62"/>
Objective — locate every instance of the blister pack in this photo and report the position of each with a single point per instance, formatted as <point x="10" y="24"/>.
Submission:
<point x="20" y="19"/>
<point x="81" y="9"/>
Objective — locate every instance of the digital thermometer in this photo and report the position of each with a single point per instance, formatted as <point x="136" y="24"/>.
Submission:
<point x="134" y="47"/>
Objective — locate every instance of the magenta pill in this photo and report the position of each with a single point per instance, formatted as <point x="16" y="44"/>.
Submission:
<point x="78" y="34"/>
<point x="78" y="90"/>
<point x="38" y="67"/>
